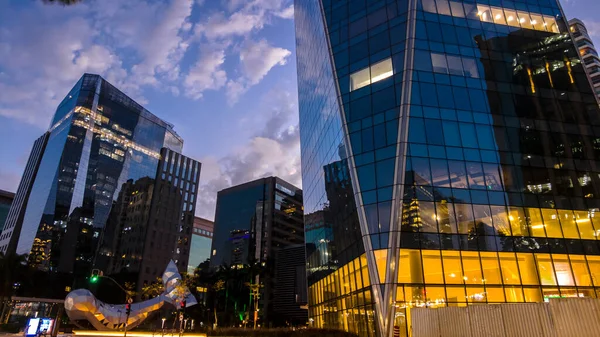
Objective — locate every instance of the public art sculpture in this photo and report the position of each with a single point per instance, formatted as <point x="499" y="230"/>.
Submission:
<point x="81" y="304"/>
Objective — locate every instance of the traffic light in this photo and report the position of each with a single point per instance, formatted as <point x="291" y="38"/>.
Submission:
<point x="127" y="309"/>
<point x="182" y="304"/>
<point x="95" y="275"/>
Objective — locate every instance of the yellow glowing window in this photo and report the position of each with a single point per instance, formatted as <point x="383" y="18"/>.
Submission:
<point x="410" y="270"/>
<point x="518" y="222"/>
<point x="510" y="270"/>
<point x="381" y="261"/>
<point x="357" y="273"/>
<point x="498" y="16"/>
<point x="537" y="22"/>
<point x="562" y="268"/>
<point x="364" y="271"/>
<point x="400" y="294"/>
<point x="484" y="13"/>
<point x="545" y="269"/>
<point x="536" y="223"/>
<point x="580" y="271"/>
<point x="532" y="295"/>
<point x="436" y="296"/>
<point x="376" y="72"/>
<point x="514" y="294"/>
<point x="527" y="269"/>
<point x="414" y="293"/>
<point x="511" y="18"/>
<point x="456" y="294"/>
<point x="569" y="227"/>
<point x="495" y="294"/>
<point x="550" y="24"/>
<point x="452" y="267"/>
<point x="432" y="266"/>
<point x="471" y="268"/>
<point x="524" y="20"/>
<point x="475" y="295"/>
<point x="594" y="265"/>
<point x="584" y="224"/>
<point x="491" y="268"/>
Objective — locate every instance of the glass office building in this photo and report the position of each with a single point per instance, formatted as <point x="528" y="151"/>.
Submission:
<point x="449" y="157"/>
<point x="99" y="142"/>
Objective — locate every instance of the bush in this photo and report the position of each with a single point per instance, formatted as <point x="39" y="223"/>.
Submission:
<point x="282" y="332"/>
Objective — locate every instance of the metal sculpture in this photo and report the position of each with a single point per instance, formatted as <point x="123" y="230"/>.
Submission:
<point x="81" y="304"/>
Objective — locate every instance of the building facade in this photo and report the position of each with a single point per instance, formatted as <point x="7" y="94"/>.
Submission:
<point x="101" y="150"/>
<point x="587" y="51"/>
<point x="6" y="199"/>
<point x="202" y="234"/>
<point x="457" y="143"/>
<point x="253" y="221"/>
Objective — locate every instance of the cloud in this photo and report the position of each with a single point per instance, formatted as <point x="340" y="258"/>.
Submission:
<point x="273" y="151"/>
<point x="207" y="73"/>
<point x="286" y="13"/>
<point x="256" y="60"/>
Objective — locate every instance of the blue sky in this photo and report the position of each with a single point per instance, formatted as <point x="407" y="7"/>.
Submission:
<point x="222" y="71"/>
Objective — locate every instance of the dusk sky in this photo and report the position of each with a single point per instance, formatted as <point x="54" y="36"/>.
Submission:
<point x="222" y="71"/>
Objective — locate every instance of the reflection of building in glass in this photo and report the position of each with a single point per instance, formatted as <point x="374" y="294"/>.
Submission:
<point x="253" y="221"/>
<point x="587" y="51"/>
<point x="470" y="135"/>
<point x="6" y="199"/>
<point x="104" y="154"/>
<point x="201" y="242"/>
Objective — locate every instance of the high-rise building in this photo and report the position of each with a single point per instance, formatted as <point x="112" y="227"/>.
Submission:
<point x="202" y="234"/>
<point x="253" y="221"/>
<point x="587" y="51"/>
<point x="6" y="199"/>
<point x="105" y="180"/>
<point x="449" y="157"/>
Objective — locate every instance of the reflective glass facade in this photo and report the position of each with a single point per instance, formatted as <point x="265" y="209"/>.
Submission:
<point x="99" y="139"/>
<point x="469" y="173"/>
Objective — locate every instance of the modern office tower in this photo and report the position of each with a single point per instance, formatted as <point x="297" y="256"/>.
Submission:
<point x="252" y="222"/>
<point x="14" y="220"/>
<point x="587" y="51"/>
<point x="202" y="234"/>
<point x="469" y="169"/>
<point x="151" y="222"/>
<point x="6" y="199"/>
<point x="101" y="148"/>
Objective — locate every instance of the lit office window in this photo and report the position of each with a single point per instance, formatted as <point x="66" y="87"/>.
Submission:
<point x="377" y="72"/>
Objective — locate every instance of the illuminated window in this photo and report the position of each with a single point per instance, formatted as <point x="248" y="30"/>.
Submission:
<point x="532" y="295"/>
<point x="432" y="266"/>
<point x="491" y="268"/>
<point x="545" y="269"/>
<point x="536" y="223"/>
<point x="514" y="294"/>
<point x="562" y="268"/>
<point x="471" y="267"/>
<point x="436" y="296"/>
<point x="495" y="294"/>
<point x="456" y="294"/>
<point x="511" y="18"/>
<point x="510" y="270"/>
<point x="364" y="271"/>
<point x="376" y="72"/>
<point x="381" y="261"/>
<point x="518" y="223"/>
<point x="452" y="267"/>
<point x="569" y="227"/>
<point x="527" y="269"/>
<point x="411" y="270"/>
<point x="580" y="270"/>
<point x="475" y="295"/>
<point x="584" y="224"/>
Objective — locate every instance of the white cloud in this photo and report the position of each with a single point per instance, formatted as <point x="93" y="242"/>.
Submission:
<point x="256" y="60"/>
<point x="286" y="13"/>
<point x="207" y="73"/>
<point x="274" y="151"/>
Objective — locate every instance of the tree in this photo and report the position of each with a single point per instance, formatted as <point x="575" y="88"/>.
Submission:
<point x="12" y="268"/>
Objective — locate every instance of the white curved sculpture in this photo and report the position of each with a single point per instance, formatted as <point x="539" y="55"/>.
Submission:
<point x="82" y="304"/>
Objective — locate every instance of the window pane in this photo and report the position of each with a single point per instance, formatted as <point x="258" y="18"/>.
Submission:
<point x="428" y="6"/>
<point x="545" y="269"/>
<point x="484" y="13"/>
<point x="532" y="295"/>
<point x="537" y="22"/>
<point x="584" y="224"/>
<point x="562" y="267"/>
<point x="456" y="294"/>
<point x="381" y="70"/>
<point x="452" y="267"/>
<point x="495" y="294"/>
<point x="550" y="24"/>
<point x="446" y="217"/>
<point x="518" y="223"/>
<point x="511" y="18"/>
<point x="514" y="294"/>
<point x="457" y="9"/>
<point x="500" y="220"/>
<point x="498" y="15"/>
<point x="527" y="269"/>
<point x="458" y="174"/>
<point x="439" y="63"/>
<point x="411" y="270"/>
<point x="536" y="224"/>
<point x="567" y="221"/>
<point x="594" y="265"/>
<point x="455" y="65"/>
<point x="428" y="217"/>
<point x="381" y="262"/>
<point x="491" y="268"/>
<point x="360" y="79"/>
<point x="432" y="267"/>
<point x="471" y="268"/>
<point x="470" y="67"/>
<point x="464" y="217"/>
<point x="524" y="20"/>
<point x="436" y="296"/>
<point x="510" y="271"/>
<point x="580" y="270"/>
<point x="475" y="295"/>
<point x="442" y="7"/>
